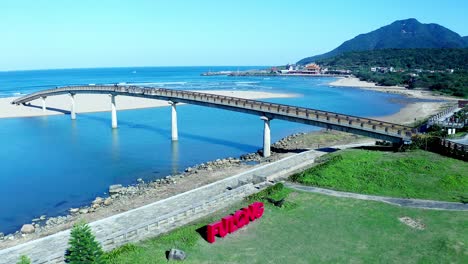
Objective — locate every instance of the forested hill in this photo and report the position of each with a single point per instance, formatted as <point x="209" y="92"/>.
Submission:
<point x="401" y="34"/>
<point x="406" y="59"/>
<point x="442" y="70"/>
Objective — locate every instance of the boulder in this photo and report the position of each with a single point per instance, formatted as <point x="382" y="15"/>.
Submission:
<point x="98" y="201"/>
<point x="115" y="189"/>
<point x="108" y="201"/>
<point x="74" y="210"/>
<point x="176" y="254"/>
<point x="84" y="210"/>
<point x="27" y="229"/>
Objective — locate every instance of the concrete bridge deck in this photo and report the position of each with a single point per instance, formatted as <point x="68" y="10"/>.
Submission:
<point x="268" y="111"/>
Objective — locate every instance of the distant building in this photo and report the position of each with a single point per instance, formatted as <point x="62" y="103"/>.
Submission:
<point x="312" y="68"/>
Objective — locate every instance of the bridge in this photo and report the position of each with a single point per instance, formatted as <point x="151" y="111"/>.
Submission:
<point x="267" y="111"/>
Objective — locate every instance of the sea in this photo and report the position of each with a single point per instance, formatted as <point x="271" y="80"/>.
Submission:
<point x="50" y="164"/>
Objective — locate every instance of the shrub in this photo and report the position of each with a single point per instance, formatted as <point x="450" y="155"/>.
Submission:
<point x="24" y="260"/>
<point x="83" y="246"/>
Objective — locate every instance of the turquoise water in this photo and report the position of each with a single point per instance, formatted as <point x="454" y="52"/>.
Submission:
<point x="49" y="164"/>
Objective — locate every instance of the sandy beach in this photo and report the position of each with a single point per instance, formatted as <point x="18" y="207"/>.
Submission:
<point x="87" y="103"/>
<point x="411" y="112"/>
<point x="416" y="93"/>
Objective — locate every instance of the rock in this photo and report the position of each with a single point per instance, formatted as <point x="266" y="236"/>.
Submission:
<point x="108" y="201"/>
<point x="2" y="235"/>
<point x="116" y="189"/>
<point x="176" y="254"/>
<point x="84" y="210"/>
<point x="188" y="169"/>
<point x="35" y="220"/>
<point x="95" y="205"/>
<point x="413" y="223"/>
<point x="140" y="180"/>
<point x="42" y="217"/>
<point x="98" y="201"/>
<point x="27" y="229"/>
<point x="74" y="210"/>
<point x="209" y="168"/>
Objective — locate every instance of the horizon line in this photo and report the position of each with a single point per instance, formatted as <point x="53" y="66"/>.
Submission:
<point x="122" y="67"/>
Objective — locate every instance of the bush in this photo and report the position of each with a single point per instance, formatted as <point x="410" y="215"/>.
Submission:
<point x="268" y="192"/>
<point x="24" y="260"/>
<point x="83" y="246"/>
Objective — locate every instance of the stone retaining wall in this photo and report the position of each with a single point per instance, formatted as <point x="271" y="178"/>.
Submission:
<point x="165" y="215"/>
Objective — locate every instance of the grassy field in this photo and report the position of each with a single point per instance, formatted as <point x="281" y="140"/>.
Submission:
<point x="412" y="174"/>
<point x="313" y="228"/>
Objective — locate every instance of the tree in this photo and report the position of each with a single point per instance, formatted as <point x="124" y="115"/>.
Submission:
<point x="83" y="246"/>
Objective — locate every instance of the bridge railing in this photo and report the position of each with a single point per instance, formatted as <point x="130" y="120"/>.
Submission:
<point x="266" y="107"/>
<point x="293" y="111"/>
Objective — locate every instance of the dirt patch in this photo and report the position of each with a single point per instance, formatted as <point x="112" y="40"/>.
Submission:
<point x="413" y="223"/>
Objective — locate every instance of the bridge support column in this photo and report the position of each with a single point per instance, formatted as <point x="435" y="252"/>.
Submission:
<point x="72" y="106"/>
<point x="44" y="108"/>
<point x="114" y="111"/>
<point x="266" y="137"/>
<point x="175" y="133"/>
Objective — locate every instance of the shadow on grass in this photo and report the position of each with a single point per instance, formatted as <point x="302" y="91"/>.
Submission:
<point x="202" y="232"/>
<point x="379" y="148"/>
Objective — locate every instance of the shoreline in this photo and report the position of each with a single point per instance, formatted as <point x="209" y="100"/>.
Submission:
<point x="354" y="82"/>
<point x="409" y="113"/>
<point x="142" y="193"/>
<point x="120" y="198"/>
<point x="93" y="103"/>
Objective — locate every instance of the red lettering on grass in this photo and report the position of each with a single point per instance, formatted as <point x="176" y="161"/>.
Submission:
<point x="231" y="223"/>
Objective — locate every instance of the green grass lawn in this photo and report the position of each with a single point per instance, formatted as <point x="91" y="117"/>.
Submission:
<point x="314" y="228"/>
<point x="411" y="174"/>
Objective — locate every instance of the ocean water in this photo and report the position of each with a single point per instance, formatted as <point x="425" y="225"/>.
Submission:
<point x="50" y="164"/>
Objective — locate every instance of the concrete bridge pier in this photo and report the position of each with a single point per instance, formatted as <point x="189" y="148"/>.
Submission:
<point x="175" y="133"/>
<point x="44" y="107"/>
<point x="266" y="137"/>
<point x="114" y="111"/>
<point x="72" y="106"/>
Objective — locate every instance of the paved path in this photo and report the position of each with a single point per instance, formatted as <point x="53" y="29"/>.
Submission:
<point x="414" y="203"/>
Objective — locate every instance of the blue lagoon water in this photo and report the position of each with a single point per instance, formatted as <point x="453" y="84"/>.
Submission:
<point x="50" y="164"/>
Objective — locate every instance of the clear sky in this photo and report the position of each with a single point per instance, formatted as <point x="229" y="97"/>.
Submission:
<point x="43" y="34"/>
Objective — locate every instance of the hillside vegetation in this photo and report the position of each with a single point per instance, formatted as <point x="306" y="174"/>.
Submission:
<point x="401" y="34"/>
<point x="441" y="70"/>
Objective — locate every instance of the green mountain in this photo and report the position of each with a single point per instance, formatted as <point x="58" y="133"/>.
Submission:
<point x="440" y="70"/>
<point x="401" y="34"/>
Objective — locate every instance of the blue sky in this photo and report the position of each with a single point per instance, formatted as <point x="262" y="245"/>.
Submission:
<point x="43" y="34"/>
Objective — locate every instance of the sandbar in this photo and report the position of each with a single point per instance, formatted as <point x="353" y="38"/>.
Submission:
<point x="88" y="103"/>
